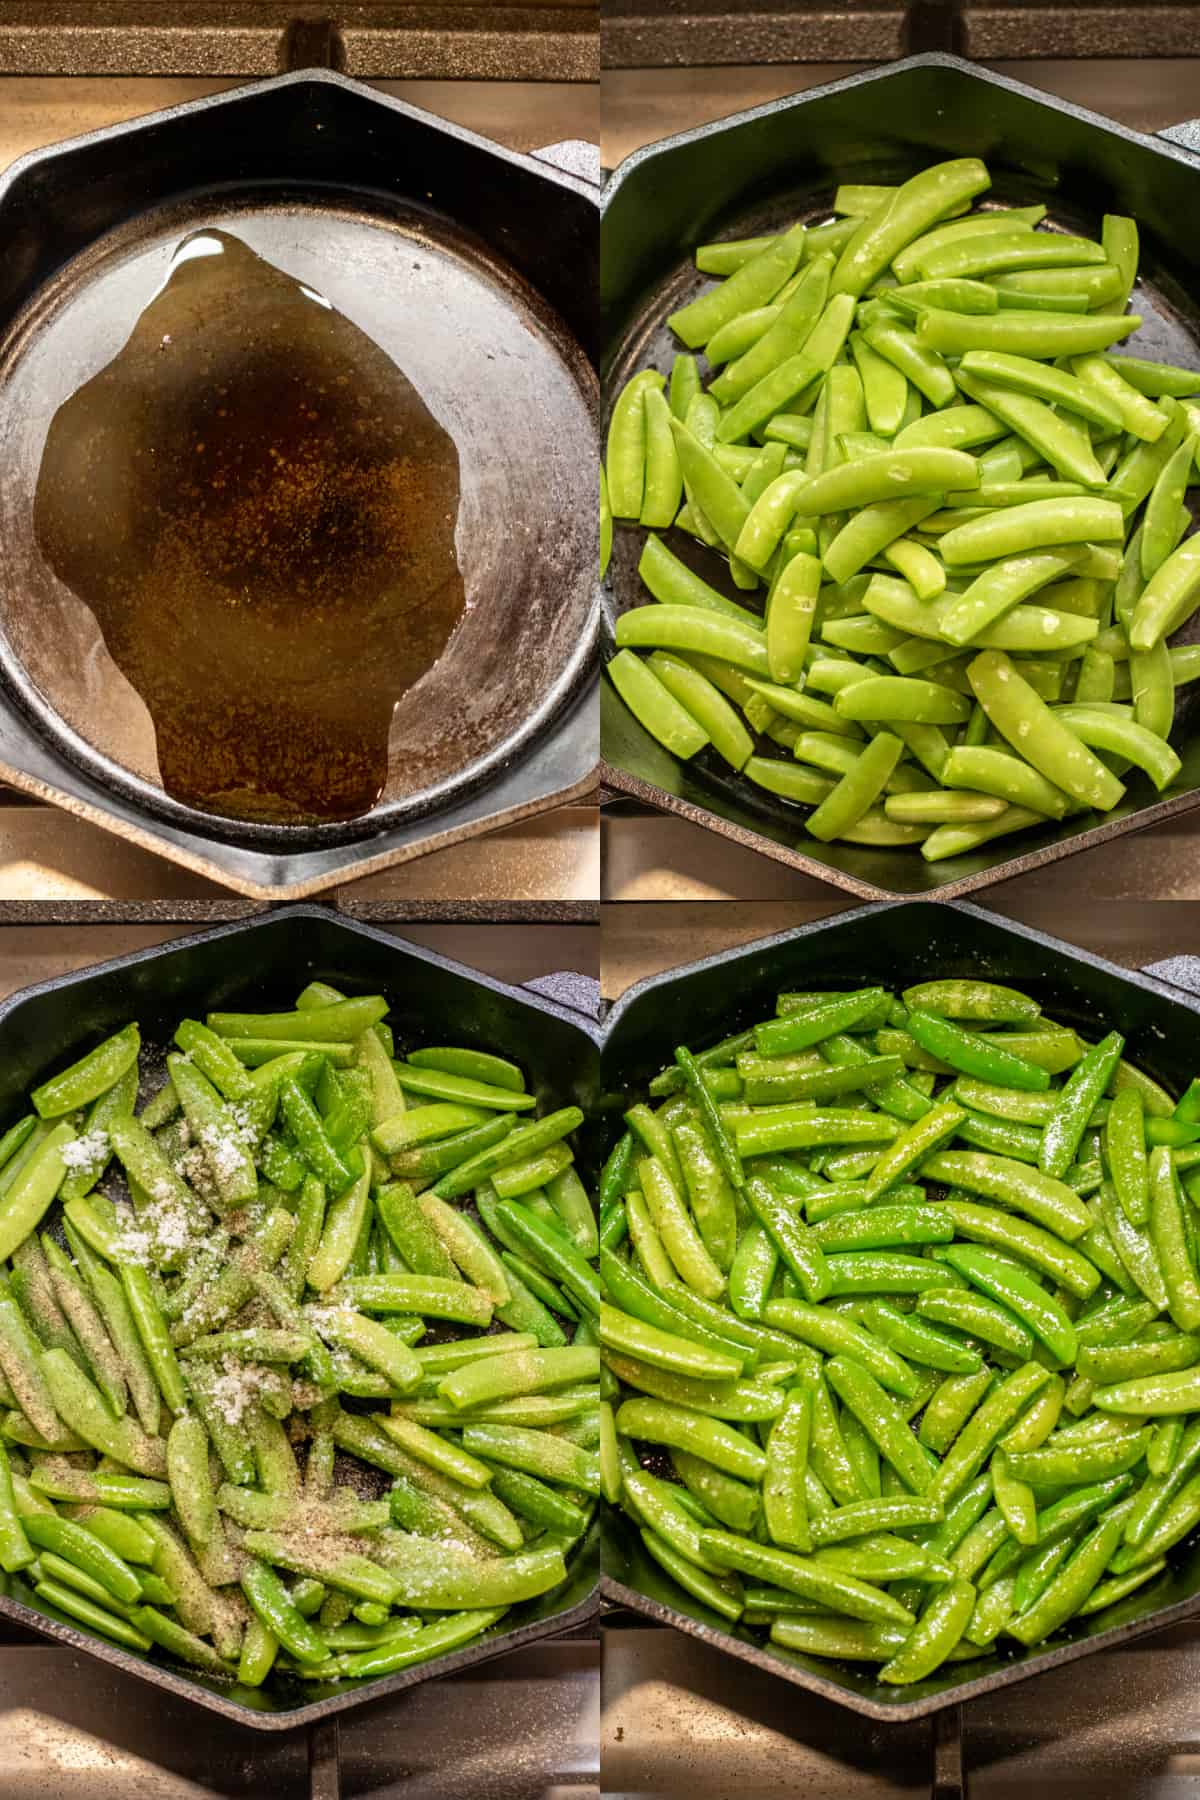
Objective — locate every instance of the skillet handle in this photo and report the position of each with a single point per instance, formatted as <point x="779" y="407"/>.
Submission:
<point x="1185" y="136"/>
<point x="1178" y="971"/>
<point x="574" y="155"/>
<point x="581" y="993"/>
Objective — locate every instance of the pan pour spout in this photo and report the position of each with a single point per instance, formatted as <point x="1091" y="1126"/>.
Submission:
<point x="259" y="509"/>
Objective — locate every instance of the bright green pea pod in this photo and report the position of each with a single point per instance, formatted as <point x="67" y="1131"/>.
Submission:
<point x="1109" y="1364"/>
<point x="1155" y="379"/>
<point x="979" y="1317"/>
<point x="934" y="1636"/>
<point x="1027" y="1241"/>
<point x="752" y="283"/>
<point x="519" y="1372"/>
<point x="887" y="475"/>
<point x="1171" y="1237"/>
<point x="1035" y="526"/>
<point x="802" y="1575"/>
<point x="15" y="1550"/>
<point x="919" y="204"/>
<point x="784" y="1502"/>
<point x="709" y="1191"/>
<point x="973" y="1053"/>
<point x="1073" y="1583"/>
<point x="912" y="1337"/>
<point x="1135" y="1248"/>
<point x="912" y="1147"/>
<point x="1102" y="730"/>
<point x="33" y="1188"/>
<point x="706" y="705"/>
<point x="626" y="448"/>
<point x="1023" y="1296"/>
<point x="1169" y="597"/>
<point x="882" y="1420"/>
<point x="1087" y="1082"/>
<point x="952" y="1404"/>
<point x="421" y="1294"/>
<point x="90" y="1077"/>
<point x="834" y="1334"/>
<point x="786" y="335"/>
<point x="341" y="1022"/>
<point x="974" y="1443"/>
<point x="1024" y="719"/>
<point x="1043" y="335"/>
<point x="660" y="1422"/>
<point x="998" y="588"/>
<point x="663" y="484"/>
<point x="674" y="584"/>
<point x="723" y="1596"/>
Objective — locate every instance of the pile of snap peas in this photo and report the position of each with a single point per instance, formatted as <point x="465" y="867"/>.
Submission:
<point x="956" y="517"/>
<point x="901" y="1324"/>
<point x="298" y="1352"/>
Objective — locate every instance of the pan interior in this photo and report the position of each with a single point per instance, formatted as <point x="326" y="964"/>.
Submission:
<point x="499" y="374"/>
<point x="1170" y="333"/>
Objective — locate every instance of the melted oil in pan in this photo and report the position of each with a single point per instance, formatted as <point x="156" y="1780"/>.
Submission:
<point x="259" y="510"/>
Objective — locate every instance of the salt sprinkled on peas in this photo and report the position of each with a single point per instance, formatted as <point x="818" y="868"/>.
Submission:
<point x="1071" y="450"/>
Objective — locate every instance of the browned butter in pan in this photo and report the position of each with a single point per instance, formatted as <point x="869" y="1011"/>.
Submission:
<point x="259" y="509"/>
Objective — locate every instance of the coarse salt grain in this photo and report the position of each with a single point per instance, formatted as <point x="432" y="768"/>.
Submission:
<point x="82" y="1152"/>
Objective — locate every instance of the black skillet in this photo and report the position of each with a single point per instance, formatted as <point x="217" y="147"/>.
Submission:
<point x="781" y="162"/>
<point x="1158" y="1010"/>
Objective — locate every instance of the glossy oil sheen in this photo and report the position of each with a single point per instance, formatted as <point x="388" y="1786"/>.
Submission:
<point x="259" y="509"/>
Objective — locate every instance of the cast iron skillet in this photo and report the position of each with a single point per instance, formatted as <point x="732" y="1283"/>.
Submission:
<point x="475" y="269"/>
<point x="265" y="963"/>
<point x="1158" y="1011"/>
<point x="781" y="162"/>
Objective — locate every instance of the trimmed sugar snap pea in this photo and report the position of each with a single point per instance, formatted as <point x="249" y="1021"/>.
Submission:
<point x="661" y="1422"/>
<point x="973" y="1054"/>
<point x="1088" y="1081"/>
<point x="920" y="203"/>
<point x="1170" y="1234"/>
<point x="753" y="283"/>
<point x="1029" y="1243"/>
<point x="804" y="1576"/>
<point x="794" y="1241"/>
<point x="978" y="1317"/>
<point x="626" y="450"/>
<point x="1020" y="716"/>
<point x="654" y="706"/>
<point x="986" y="1001"/>
<point x="1041" y="1197"/>
<point x="525" y="1141"/>
<point x="1036" y="334"/>
<point x="836" y="1335"/>
<point x="1073" y="1583"/>
<point x="886" y="475"/>
<point x="913" y="1338"/>
<point x="1032" y="1305"/>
